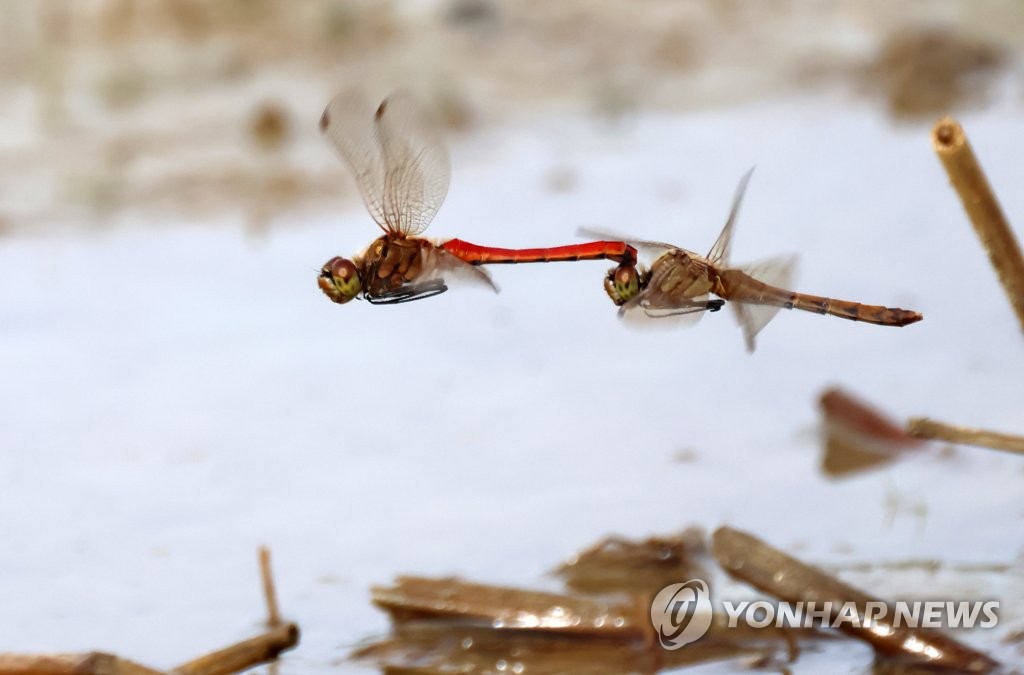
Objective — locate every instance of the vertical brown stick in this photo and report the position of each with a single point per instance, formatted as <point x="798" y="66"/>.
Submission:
<point x="269" y="592"/>
<point x="982" y="208"/>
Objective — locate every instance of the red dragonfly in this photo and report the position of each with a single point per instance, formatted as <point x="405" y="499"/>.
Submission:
<point x="680" y="283"/>
<point x="402" y="169"/>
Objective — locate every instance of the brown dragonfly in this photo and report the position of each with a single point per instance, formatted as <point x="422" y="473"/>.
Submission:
<point x="680" y="282"/>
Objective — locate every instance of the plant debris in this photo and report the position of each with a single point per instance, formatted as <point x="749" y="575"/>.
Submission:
<point x="450" y="625"/>
<point x="620" y="565"/>
<point x="768" y="569"/>
<point x="922" y="427"/>
<point x="859" y="436"/>
<point x="265" y="647"/>
<point x="987" y="217"/>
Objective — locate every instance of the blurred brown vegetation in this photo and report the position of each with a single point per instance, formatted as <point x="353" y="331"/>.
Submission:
<point x="174" y="109"/>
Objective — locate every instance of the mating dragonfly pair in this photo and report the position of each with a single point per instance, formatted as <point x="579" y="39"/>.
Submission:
<point x="402" y="169"/>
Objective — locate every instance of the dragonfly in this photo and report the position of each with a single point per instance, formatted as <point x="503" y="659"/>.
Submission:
<point x="680" y="284"/>
<point x="402" y="169"/>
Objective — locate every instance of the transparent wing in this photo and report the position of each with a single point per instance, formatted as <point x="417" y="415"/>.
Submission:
<point x="348" y="122"/>
<point x="439" y="264"/>
<point x="409" y="292"/>
<point x="640" y="316"/>
<point x="654" y="248"/>
<point x="397" y="155"/>
<point x="416" y="165"/>
<point x="778" y="272"/>
<point x="719" y="254"/>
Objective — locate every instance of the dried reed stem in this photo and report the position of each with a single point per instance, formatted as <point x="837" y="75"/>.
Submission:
<point x="982" y="208"/>
<point x="236" y="658"/>
<point x="747" y="558"/>
<point x="260" y="649"/>
<point x="91" y="663"/>
<point x="269" y="590"/>
<point x="243" y="655"/>
<point x="922" y="427"/>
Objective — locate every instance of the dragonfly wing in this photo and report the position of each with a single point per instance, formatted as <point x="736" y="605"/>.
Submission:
<point x="655" y="248"/>
<point x="778" y="272"/>
<point x="749" y="324"/>
<point x="640" y="315"/>
<point x="409" y="292"/>
<point x="719" y="254"/>
<point x="348" y="123"/>
<point x="439" y="264"/>
<point x="416" y="166"/>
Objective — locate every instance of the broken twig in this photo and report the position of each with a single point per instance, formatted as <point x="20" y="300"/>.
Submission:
<point x="982" y="208"/>
<point x="243" y="655"/>
<point x="922" y="427"/>
<point x="236" y="658"/>
<point x="269" y="590"/>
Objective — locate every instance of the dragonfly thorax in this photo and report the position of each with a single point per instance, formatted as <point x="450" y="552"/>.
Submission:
<point x="391" y="262"/>
<point x="683" y="275"/>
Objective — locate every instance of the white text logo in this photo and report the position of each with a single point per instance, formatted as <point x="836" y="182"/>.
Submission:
<point x="929" y="614"/>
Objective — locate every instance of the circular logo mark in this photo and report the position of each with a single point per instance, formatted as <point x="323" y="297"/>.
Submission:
<point x="681" y="613"/>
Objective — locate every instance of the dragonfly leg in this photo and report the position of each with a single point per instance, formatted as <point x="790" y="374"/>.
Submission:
<point x="697" y="306"/>
<point x="409" y="292"/>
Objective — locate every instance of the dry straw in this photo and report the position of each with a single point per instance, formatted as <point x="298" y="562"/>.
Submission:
<point x="967" y="177"/>
<point x="922" y="427"/>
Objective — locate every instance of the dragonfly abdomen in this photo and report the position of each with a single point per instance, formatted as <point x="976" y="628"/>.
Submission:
<point x="737" y="286"/>
<point x="855" y="311"/>
<point x="473" y="254"/>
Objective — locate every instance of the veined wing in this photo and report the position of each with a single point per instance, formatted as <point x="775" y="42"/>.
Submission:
<point x="719" y="254"/>
<point x="438" y="268"/>
<point x="416" y="165"/>
<point x="654" y="248"/>
<point x="348" y="124"/>
<point x="752" y="317"/>
<point x="440" y="264"/>
<point x="397" y="155"/>
<point x="635" y="313"/>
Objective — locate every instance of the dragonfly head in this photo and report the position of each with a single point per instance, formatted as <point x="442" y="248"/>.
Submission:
<point x="622" y="283"/>
<point x="339" y="280"/>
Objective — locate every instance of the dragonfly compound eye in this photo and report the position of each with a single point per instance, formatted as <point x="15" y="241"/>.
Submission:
<point x="622" y="284"/>
<point x="339" y="280"/>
